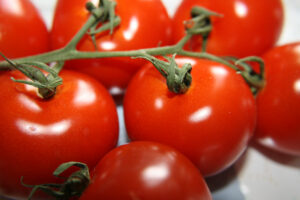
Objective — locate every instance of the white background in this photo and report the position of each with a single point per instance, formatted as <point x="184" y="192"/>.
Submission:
<point x="260" y="174"/>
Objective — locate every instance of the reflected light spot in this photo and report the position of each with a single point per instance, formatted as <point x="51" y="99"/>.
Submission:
<point x="154" y="175"/>
<point x="14" y="7"/>
<point x="201" y="114"/>
<point x="267" y="141"/>
<point x="107" y="45"/>
<point x="29" y="104"/>
<point x="115" y="90"/>
<point x="241" y="9"/>
<point x="245" y="189"/>
<point x="85" y="95"/>
<point x="297" y="86"/>
<point x="30" y="87"/>
<point x="133" y="27"/>
<point x="188" y="60"/>
<point x="32" y="128"/>
<point x="158" y="103"/>
<point x="297" y="52"/>
<point x="297" y="49"/>
<point x="219" y="71"/>
<point x="95" y="2"/>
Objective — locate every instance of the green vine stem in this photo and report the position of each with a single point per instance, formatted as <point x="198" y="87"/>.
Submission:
<point x="104" y="13"/>
<point x="73" y="186"/>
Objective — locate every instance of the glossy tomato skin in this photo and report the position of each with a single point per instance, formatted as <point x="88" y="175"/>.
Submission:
<point x="78" y="124"/>
<point x="146" y="171"/>
<point x="211" y="123"/>
<point x="22" y="30"/>
<point x="278" y="103"/>
<point x="137" y="30"/>
<point x="247" y="27"/>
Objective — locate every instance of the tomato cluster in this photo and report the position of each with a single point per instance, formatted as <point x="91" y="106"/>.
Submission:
<point x="177" y="139"/>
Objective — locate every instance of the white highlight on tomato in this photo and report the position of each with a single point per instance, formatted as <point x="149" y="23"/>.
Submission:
<point x="107" y="45"/>
<point x="85" y="94"/>
<point x="201" y="114"/>
<point x="32" y="128"/>
<point x="132" y="29"/>
<point x="154" y="175"/>
<point x="158" y="103"/>
<point x="297" y="86"/>
<point x="29" y="103"/>
<point x="241" y="9"/>
<point x="12" y="6"/>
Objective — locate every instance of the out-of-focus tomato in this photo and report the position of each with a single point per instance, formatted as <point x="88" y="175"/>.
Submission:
<point x="247" y="27"/>
<point x="22" y="30"/>
<point x="278" y="103"/>
<point x="211" y="123"/>
<point x="146" y="171"/>
<point x="144" y="24"/>
<point x="79" y="123"/>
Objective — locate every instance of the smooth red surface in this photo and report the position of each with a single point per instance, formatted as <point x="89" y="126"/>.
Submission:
<point x="247" y="28"/>
<point x="78" y="124"/>
<point x="211" y="123"/>
<point x="144" y="24"/>
<point x="146" y="171"/>
<point x="279" y="102"/>
<point x="22" y="30"/>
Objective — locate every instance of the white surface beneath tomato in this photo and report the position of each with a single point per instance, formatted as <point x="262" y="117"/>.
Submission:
<point x="259" y="174"/>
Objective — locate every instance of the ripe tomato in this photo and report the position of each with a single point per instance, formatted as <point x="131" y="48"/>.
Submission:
<point x="146" y="171"/>
<point x="137" y="30"/>
<point x="278" y="103"/>
<point x="79" y="123"/>
<point x="247" y="27"/>
<point x="211" y="123"/>
<point x="22" y="31"/>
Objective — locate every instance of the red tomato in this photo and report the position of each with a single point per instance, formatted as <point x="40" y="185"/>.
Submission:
<point x="146" y="171"/>
<point x="22" y="31"/>
<point x="211" y="123"/>
<point x="247" y="27"/>
<point x="278" y="103"/>
<point x="79" y="123"/>
<point x="144" y="24"/>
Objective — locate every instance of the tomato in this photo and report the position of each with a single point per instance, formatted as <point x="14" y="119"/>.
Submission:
<point x="247" y="27"/>
<point x="146" y="171"/>
<point x="137" y="30"/>
<point x="211" y="123"/>
<point x="22" y="30"/>
<point x="278" y="103"/>
<point x="79" y="123"/>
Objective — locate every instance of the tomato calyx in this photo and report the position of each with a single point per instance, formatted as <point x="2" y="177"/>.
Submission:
<point x="46" y="84"/>
<point x="74" y="185"/>
<point x="178" y="79"/>
<point x="200" y="23"/>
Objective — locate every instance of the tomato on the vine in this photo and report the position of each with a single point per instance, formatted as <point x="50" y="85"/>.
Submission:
<point x="22" y="30"/>
<point x="278" y="104"/>
<point x="137" y="30"/>
<point x="211" y="123"/>
<point x="246" y="28"/>
<point x="79" y="123"/>
<point x="146" y="171"/>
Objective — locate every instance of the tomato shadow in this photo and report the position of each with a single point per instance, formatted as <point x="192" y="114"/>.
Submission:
<point x="5" y="198"/>
<point x="118" y="98"/>
<point x="281" y="158"/>
<point x="225" y="186"/>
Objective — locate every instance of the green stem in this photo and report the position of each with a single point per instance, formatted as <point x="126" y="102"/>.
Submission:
<point x="98" y="14"/>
